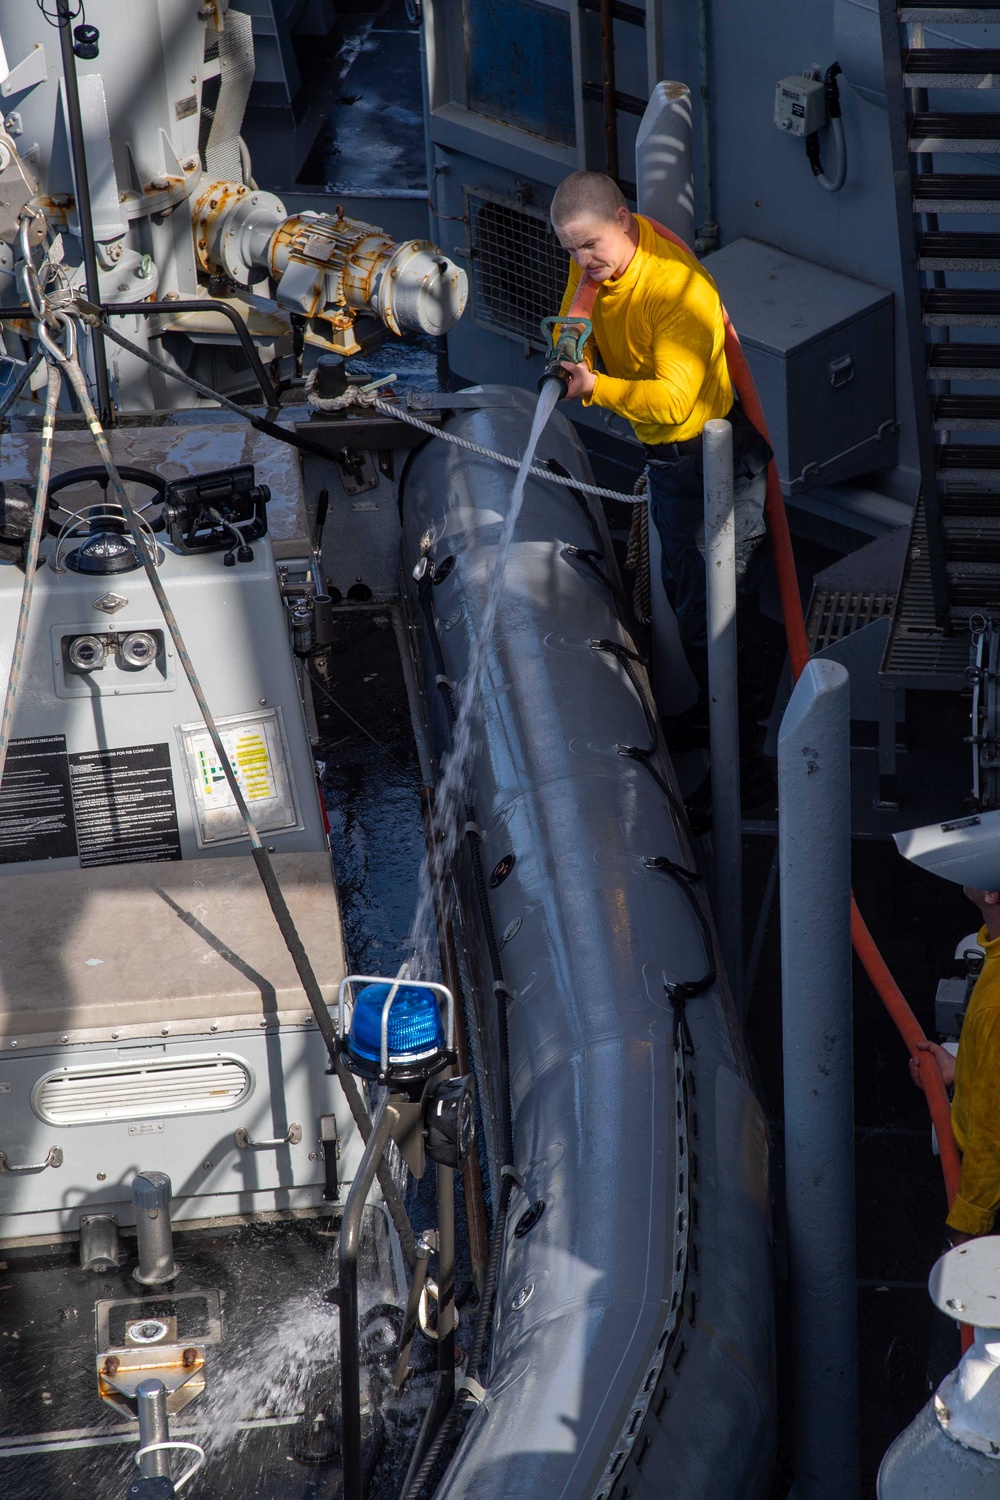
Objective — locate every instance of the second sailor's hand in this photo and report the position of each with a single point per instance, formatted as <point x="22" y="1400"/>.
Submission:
<point x="581" y="379"/>
<point x="944" y="1060"/>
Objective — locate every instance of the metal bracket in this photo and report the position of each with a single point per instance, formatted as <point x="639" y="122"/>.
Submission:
<point x="54" y="1159"/>
<point x="356" y="470"/>
<point x="292" y="1137"/>
<point x="31" y="70"/>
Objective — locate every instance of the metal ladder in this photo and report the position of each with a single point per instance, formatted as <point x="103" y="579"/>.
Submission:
<point x="592" y="26"/>
<point x="952" y="570"/>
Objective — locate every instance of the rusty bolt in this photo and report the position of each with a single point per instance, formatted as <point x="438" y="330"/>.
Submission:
<point x="189" y="1358"/>
<point x="213" y="202"/>
<point x="202" y="244"/>
<point x="111" y="1365"/>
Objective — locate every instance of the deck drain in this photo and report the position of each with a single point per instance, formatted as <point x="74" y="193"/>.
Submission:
<point x="151" y="1331"/>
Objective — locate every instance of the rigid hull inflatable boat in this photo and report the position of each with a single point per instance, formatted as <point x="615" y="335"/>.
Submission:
<point x="637" y="1308"/>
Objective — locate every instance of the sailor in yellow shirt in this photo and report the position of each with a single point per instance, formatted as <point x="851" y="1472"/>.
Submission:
<point x="975" y="1074"/>
<point x="659" y="361"/>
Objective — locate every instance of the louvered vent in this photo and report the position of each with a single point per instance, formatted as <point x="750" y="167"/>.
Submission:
<point x="519" y="268"/>
<point x="138" y="1091"/>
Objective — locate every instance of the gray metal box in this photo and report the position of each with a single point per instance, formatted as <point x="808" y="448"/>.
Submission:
<point x="820" y="349"/>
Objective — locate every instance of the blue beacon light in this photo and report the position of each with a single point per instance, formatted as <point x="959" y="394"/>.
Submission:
<point x="415" y="1038"/>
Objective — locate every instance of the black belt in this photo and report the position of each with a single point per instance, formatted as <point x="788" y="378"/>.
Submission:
<point x="685" y="446"/>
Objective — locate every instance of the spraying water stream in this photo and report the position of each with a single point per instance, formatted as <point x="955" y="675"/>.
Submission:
<point x="449" y="816"/>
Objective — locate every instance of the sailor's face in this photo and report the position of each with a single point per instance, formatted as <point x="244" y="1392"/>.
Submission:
<point x="601" y="248"/>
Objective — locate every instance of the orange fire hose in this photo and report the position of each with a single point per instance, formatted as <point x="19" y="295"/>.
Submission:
<point x="871" y="959"/>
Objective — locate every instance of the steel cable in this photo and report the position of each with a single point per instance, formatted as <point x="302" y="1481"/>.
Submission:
<point x="38" y="517"/>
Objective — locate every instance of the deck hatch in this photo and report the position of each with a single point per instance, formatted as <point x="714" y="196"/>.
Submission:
<point x="141" y="1090"/>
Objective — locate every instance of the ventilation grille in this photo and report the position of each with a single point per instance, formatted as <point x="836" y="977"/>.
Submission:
<point x="519" y="268"/>
<point x="139" y="1091"/>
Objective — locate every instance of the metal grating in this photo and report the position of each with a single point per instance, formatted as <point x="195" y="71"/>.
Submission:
<point x="519" y="268"/>
<point x="137" y="1091"/>
<point x="837" y="614"/>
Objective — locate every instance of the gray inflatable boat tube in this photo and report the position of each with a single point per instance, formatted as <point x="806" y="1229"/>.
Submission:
<point x="632" y="1344"/>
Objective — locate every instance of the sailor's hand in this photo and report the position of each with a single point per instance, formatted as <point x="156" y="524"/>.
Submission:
<point x="581" y="379"/>
<point x="945" y="1063"/>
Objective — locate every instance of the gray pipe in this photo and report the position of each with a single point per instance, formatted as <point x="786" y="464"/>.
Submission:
<point x="708" y="231"/>
<point x="723" y="720"/>
<point x="814" y="844"/>
<point x="151" y="1194"/>
<point x="664" y="186"/>
<point x="151" y="1401"/>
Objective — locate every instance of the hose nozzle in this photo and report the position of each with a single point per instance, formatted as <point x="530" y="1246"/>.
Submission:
<point x="565" y="339"/>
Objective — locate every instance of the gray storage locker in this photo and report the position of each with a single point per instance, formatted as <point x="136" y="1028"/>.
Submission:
<point x="820" y="348"/>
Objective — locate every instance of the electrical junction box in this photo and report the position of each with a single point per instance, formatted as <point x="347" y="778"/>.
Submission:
<point x="820" y="349"/>
<point x="799" y="105"/>
<point x="951" y="1000"/>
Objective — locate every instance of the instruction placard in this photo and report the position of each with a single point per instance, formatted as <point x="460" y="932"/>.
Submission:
<point x="36" y="810"/>
<point x="124" y="805"/>
<point x="258" y="755"/>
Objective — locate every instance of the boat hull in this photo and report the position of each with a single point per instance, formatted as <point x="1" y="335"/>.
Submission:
<point x="633" y="1327"/>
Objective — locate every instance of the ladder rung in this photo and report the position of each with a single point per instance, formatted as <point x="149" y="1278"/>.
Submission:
<point x="963" y="362"/>
<point x="959" y="10"/>
<point x="937" y="131"/>
<point x="943" y="250"/>
<point x="968" y="459"/>
<point x="956" y="193"/>
<point x="944" y="307"/>
<point x="951" y="68"/>
<point x="962" y="502"/>
<point x="967" y="413"/>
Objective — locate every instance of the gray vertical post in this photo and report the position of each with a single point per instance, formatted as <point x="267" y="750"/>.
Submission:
<point x="814" y="844"/>
<point x="151" y="1401"/>
<point x="151" y="1193"/>
<point x="723" y="717"/>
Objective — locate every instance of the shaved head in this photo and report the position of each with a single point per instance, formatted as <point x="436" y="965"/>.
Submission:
<point x="587" y="195"/>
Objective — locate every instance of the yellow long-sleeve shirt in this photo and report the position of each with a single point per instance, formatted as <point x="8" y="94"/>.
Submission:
<point x="661" y="337"/>
<point x="975" y="1110"/>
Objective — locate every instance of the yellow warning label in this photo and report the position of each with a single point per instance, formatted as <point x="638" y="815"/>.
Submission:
<point x="253" y="766"/>
<point x="249" y="758"/>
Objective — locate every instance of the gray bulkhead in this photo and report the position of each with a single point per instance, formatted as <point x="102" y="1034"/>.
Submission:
<point x="638" y="1311"/>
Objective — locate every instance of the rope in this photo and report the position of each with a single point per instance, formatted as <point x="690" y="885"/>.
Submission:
<point x="53" y="387"/>
<point x="353" y="395"/>
<point x="501" y="458"/>
<point x="637" y="555"/>
<point x="273" y="429"/>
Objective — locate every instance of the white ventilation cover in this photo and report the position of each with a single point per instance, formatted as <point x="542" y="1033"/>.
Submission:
<point x="141" y="1090"/>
